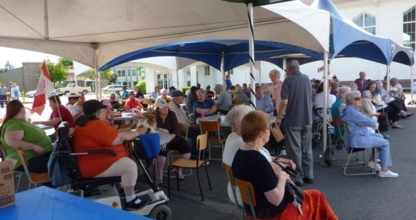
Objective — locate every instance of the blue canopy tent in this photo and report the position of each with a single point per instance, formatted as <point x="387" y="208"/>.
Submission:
<point x="223" y="55"/>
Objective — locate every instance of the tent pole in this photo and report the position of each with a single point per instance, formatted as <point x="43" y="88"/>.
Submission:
<point x="46" y="19"/>
<point x="251" y="53"/>
<point x="388" y="78"/>
<point x="96" y="74"/>
<point x="411" y="85"/>
<point x="224" y="85"/>
<point x="177" y="73"/>
<point x="325" y="115"/>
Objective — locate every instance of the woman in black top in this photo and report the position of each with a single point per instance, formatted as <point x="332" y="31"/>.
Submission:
<point x="272" y="201"/>
<point x="167" y="122"/>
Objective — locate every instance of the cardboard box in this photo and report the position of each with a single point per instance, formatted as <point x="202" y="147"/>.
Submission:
<point x="7" y="193"/>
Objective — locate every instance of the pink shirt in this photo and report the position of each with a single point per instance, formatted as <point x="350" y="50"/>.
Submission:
<point x="275" y="91"/>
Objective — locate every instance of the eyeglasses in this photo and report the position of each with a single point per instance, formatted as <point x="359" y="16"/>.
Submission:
<point x="357" y="99"/>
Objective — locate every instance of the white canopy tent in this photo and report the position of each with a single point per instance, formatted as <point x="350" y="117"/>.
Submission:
<point x="94" y="33"/>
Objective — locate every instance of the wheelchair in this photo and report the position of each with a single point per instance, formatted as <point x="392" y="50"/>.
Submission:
<point x="107" y="190"/>
<point x="318" y="126"/>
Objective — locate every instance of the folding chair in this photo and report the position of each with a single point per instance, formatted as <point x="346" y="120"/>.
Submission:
<point x="192" y="164"/>
<point x="247" y="195"/>
<point x="362" y="163"/>
<point x="149" y="103"/>
<point x="233" y="183"/>
<point x="214" y="128"/>
<point x="336" y="121"/>
<point x="33" y="178"/>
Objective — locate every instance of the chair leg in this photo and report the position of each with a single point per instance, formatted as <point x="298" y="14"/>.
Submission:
<point x="18" y="181"/>
<point x="168" y="181"/>
<point x="199" y="184"/>
<point x="209" y="181"/>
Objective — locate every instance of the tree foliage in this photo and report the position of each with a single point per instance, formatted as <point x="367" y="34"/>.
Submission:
<point x="106" y="74"/>
<point x="142" y="86"/>
<point x="67" y="63"/>
<point x="113" y="79"/>
<point x="56" y="71"/>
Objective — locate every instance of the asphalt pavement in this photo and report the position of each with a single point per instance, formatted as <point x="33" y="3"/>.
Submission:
<point x="358" y="197"/>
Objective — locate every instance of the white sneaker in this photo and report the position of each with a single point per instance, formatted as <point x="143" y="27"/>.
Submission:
<point x="371" y="165"/>
<point x="388" y="174"/>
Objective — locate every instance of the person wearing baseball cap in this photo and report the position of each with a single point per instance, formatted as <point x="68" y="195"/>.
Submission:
<point x="72" y="99"/>
<point x="167" y="122"/>
<point x="172" y="89"/>
<point x="94" y="133"/>
<point x="175" y="106"/>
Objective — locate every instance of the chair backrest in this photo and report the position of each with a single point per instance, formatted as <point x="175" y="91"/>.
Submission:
<point x="147" y="101"/>
<point x="202" y="142"/>
<point x="230" y="174"/>
<point x="183" y="128"/>
<point x="239" y="101"/>
<point x="23" y="160"/>
<point x="346" y="128"/>
<point x="247" y="194"/>
<point x="63" y="144"/>
<point x="336" y="121"/>
<point x="210" y="126"/>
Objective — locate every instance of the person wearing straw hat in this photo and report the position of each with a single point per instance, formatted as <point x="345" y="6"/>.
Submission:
<point x="72" y="100"/>
<point x="59" y="114"/>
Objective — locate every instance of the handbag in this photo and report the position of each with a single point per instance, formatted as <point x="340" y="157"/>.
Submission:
<point x="58" y="173"/>
<point x="291" y="190"/>
<point x="277" y="134"/>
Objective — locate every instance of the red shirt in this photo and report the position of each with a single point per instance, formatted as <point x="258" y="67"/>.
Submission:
<point x="65" y="116"/>
<point x="135" y="103"/>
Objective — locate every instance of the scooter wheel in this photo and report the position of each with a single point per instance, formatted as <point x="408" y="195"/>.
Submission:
<point x="161" y="212"/>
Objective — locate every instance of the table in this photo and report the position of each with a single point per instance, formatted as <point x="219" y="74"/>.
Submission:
<point x="47" y="203"/>
<point x="164" y="138"/>
<point x="126" y="116"/>
<point x="44" y="127"/>
<point x="225" y="122"/>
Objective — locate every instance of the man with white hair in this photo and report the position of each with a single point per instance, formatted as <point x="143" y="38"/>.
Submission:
<point x="396" y="86"/>
<point x="203" y="105"/>
<point x="275" y="88"/>
<point x="297" y="103"/>
<point x="225" y="101"/>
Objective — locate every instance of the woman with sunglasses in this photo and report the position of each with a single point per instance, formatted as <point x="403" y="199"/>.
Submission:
<point x="360" y="137"/>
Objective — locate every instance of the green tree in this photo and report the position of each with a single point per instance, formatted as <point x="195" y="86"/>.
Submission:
<point x="56" y="71"/>
<point x="113" y="79"/>
<point x="142" y="86"/>
<point x="8" y="66"/>
<point x="67" y="63"/>
<point x="106" y="74"/>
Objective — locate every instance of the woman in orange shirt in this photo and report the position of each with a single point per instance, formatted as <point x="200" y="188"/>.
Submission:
<point x="92" y="132"/>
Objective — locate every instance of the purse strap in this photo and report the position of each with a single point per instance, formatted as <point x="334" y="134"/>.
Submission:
<point x="288" y="169"/>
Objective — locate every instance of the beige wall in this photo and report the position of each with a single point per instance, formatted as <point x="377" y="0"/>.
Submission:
<point x="24" y="76"/>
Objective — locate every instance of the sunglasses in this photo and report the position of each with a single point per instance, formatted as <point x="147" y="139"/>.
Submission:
<point x="358" y="99"/>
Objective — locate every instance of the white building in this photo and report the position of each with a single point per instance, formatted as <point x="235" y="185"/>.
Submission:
<point x="394" y="19"/>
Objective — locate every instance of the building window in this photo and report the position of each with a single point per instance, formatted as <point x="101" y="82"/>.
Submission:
<point x="231" y="72"/>
<point x="188" y="78"/>
<point x="366" y="22"/>
<point x="409" y="25"/>
<point x="207" y="71"/>
<point x="118" y="73"/>
<point x="128" y="72"/>
<point x="133" y="72"/>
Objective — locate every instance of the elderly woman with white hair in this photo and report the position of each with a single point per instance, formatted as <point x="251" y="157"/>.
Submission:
<point x="275" y="88"/>
<point x="235" y="141"/>
<point x="337" y="107"/>
<point x="360" y="137"/>
<point x="239" y="95"/>
<point x="164" y="95"/>
<point x="367" y="108"/>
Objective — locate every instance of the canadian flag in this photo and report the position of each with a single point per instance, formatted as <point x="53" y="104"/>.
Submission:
<point x="43" y="90"/>
<point x="320" y="69"/>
